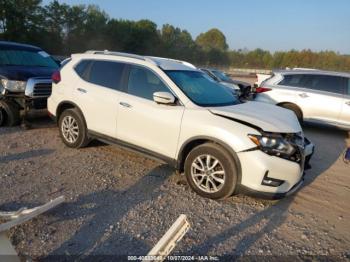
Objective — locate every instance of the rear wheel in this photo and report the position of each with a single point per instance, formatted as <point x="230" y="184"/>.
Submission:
<point x="9" y="113"/>
<point x="295" y="109"/>
<point x="72" y="129"/>
<point x="211" y="171"/>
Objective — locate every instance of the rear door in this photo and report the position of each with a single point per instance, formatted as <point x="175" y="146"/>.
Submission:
<point x="144" y="123"/>
<point x="97" y="94"/>
<point x="344" y="118"/>
<point x="320" y="97"/>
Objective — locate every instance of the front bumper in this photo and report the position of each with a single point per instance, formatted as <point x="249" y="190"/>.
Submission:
<point x="256" y="165"/>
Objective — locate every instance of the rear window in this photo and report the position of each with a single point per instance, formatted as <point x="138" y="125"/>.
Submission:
<point x="326" y="83"/>
<point x="103" y="73"/>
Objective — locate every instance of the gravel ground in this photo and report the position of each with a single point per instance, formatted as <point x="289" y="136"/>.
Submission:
<point x="119" y="203"/>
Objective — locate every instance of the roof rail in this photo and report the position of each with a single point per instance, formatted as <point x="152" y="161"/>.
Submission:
<point x="304" y="68"/>
<point x="106" y="52"/>
<point x="170" y="59"/>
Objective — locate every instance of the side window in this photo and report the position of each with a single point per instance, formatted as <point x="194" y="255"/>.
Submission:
<point x="291" y="80"/>
<point x="333" y="84"/>
<point x="81" y="68"/>
<point x="348" y="86"/>
<point x="143" y="83"/>
<point x="106" y="73"/>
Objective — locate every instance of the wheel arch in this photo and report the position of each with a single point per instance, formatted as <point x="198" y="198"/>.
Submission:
<point x="64" y="105"/>
<point x="281" y="104"/>
<point x="193" y="142"/>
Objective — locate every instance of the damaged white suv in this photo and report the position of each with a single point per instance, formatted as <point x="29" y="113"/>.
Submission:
<point x="170" y="110"/>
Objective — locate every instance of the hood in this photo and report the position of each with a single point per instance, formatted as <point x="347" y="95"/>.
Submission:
<point x="22" y="73"/>
<point x="267" y="117"/>
<point x="230" y="85"/>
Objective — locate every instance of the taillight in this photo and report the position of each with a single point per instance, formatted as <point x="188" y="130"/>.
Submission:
<point x="262" y="89"/>
<point x="56" y="77"/>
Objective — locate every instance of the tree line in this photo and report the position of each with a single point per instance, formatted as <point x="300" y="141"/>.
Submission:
<point x="63" y="29"/>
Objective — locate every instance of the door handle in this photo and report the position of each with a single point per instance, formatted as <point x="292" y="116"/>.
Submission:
<point x="303" y="95"/>
<point x="81" y="90"/>
<point x="125" y="104"/>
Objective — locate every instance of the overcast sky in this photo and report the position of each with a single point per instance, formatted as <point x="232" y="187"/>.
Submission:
<point x="269" y="24"/>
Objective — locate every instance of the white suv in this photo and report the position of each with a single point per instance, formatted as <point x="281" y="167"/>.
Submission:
<point x="170" y="110"/>
<point x="314" y="95"/>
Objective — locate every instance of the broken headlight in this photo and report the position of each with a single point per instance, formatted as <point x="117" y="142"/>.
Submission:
<point x="273" y="144"/>
<point x="14" y="86"/>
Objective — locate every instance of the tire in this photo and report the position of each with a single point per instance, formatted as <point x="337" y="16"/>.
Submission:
<point x="72" y="128"/>
<point x="10" y="114"/>
<point x="296" y="111"/>
<point x="2" y="117"/>
<point x="223" y="175"/>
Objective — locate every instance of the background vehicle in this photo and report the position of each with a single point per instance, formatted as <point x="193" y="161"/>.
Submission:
<point x="242" y="88"/>
<point x="313" y="95"/>
<point x="172" y="111"/>
<point x="25" y="80"/>
<point x="261" y="78"/>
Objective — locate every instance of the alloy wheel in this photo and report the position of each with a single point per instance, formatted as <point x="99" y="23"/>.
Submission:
<point x="70" y="129"/>
<point x="208" y="173"/>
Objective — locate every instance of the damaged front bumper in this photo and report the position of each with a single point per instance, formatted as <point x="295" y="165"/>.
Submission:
<point x="286" y="176"/>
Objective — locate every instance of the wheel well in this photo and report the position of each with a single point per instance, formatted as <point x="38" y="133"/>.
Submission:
<point x="186" y="149"/>
<point x="293" y="105"/>
<point x="63" y="106"/>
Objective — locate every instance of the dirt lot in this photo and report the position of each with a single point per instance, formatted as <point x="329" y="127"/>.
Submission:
<point x="120" y="203"/>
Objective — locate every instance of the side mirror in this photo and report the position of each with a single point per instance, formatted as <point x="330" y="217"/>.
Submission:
<point x="165" y="98"/>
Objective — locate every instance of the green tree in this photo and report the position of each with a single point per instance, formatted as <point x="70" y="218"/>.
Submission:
<point x="21" y="20"/>
<point x="212" y="39"/>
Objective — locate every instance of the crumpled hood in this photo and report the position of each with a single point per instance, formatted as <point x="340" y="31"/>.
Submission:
<point x="268" y="117"/>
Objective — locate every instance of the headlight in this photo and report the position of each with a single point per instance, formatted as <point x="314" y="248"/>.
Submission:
<point x="273" y="144"/>
<point x="14" y="86"/>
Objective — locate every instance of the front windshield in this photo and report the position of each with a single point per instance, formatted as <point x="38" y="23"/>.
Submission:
<point x="12" y="57"/>
<point x="202" y="89"/>
<point x="222" y="76"/>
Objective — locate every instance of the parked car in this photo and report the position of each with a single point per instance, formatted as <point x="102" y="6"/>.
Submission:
<point x="313" y="95"/>
<point x="240" y="87"/>
<point x="25" y="80"/>
<point x="261" y="78"/>
<point x="172" y="111"/>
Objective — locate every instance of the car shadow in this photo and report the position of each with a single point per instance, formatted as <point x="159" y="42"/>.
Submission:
<point x="105" y="209"/>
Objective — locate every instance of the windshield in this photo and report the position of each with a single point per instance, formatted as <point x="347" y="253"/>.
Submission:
<point x="202" y="89"/>
<point x="26" y="58"/>
<point x="222" y="76"/>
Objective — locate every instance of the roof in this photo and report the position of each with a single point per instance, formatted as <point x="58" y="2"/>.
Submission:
<point x="164" y="63"/>
<point x="311" y="72"/>
<point x="14" y="45"/>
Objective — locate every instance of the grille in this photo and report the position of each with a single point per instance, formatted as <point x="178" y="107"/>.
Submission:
<point x="42" y="89"/>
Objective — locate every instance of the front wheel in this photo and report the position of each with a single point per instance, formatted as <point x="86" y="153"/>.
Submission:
<point x="9" y="113"/>
<point x="211" y="171"/>
<point x="2" y="116"/>
<point x="72" y="128"/>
